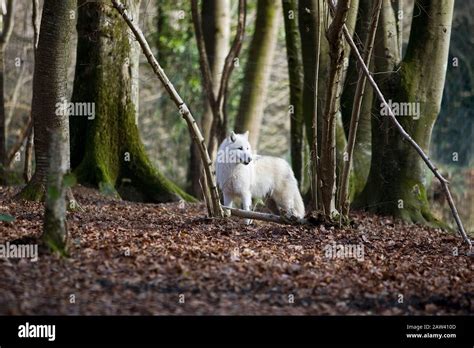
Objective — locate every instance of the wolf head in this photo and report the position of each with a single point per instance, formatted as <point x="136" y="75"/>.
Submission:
<point x="235" y="149"/>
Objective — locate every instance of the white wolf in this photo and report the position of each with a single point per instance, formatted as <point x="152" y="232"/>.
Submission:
<point x="245" y="176"/>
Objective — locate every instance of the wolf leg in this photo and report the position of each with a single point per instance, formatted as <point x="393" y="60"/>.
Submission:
<point x="246" y="204"/>
<point x="228" y="202"/>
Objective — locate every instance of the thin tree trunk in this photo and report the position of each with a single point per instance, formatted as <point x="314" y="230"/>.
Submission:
<point x="258" y="69"/>
<point x="362" y="147"/>
<point x="8" y="20"/>
<point x="50" y="88"/>
<point x="213" y="38"/>
<point x="216" y="32"/>
<point x="28" y="166"/>
<point x="55" y="232"/>
<point x="328" y="140"/>
<point x="295" y="73"/>
<point x="343" y="203"/>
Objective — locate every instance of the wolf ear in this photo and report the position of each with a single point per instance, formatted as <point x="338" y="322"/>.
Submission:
<point x="246" y="135"/>
<point x="233" y="138"/>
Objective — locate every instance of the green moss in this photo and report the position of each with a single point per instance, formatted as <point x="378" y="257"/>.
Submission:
<point x="113" y="132"/>
<point x="33" y="191"/>
<point x="55" y="241"/>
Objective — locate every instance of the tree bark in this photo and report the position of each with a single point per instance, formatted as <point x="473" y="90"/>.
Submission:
<point x="309" y="21"/>
<point x="343" y="203"/>
<point x="8" y="20"/>
<point x="362" y="146"/>
<point x="396" y="183"/>
<point x="258" y="69"/>
<point x="183" y="109"/>
<point x="107" y="150"/>
<point x="49" y="88"/>
<point x="52" y="140"/>
<point x="295" y="73"/>
<point x="331" y="108"/>
<point x="215" y="16"/>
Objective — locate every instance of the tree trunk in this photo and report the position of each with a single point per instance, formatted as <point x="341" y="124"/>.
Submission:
<point x="51" y="127"/>
<point x="258" y="69"/>
<point x="396" y="183"/>
<point x="308" y="23"/>
<point x="331" y="107"/>
<point x="362" y="147"/>
<point x="107" y="150"/>
<point x="295" y="73"/>
<point x="55" y="233"/>
<point x="216" y="31"/>
<point x="343" y="203"/>
<point x="50" y="88"/>
<point x="7" y="28"/>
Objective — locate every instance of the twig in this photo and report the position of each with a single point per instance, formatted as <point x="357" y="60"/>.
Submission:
<point x="183" y="108"/>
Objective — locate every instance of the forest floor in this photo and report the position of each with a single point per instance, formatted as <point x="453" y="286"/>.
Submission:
<point x="158" y="259"/>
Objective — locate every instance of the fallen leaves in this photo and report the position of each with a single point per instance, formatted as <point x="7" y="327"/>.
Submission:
<point x="132" y="258"/>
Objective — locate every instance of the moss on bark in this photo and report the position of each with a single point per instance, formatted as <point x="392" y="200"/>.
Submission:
<point x="396" y="184"/>
<point x="107" y="151"/>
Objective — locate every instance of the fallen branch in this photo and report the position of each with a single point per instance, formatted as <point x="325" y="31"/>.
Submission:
<point x="280" y="219"/>
<point x="406" y="136"/>
<point x="183" y="108"/>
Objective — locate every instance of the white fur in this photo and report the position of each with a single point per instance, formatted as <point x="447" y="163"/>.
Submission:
<point x="262" y="177"/>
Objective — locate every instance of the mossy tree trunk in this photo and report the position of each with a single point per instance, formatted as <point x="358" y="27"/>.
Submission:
<point x="107" y="151"/>
<point x="396" y="183"/>
<point x="258" y="69"/>
<point x="295" y="73"/>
